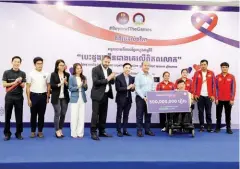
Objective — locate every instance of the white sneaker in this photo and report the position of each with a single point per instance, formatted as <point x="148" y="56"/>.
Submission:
<point x="164" y="129"/>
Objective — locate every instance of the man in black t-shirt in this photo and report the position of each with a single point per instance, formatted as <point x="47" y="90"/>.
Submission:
<point x="14" y="82"/>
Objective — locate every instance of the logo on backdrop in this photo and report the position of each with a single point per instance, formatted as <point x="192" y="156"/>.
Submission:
<point x="122" y="18"/>
<point x="139" y="19"/>
<point x="196" y="67"/>
<point x="189" y="69"/>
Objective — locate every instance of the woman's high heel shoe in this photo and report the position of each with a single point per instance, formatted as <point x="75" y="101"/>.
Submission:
<point x="58" y="136"/>
<point x="61" y="133"/>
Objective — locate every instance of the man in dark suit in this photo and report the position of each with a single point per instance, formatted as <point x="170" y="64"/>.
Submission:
<point x="124" y="85"/>
<point x="103" y="78"/>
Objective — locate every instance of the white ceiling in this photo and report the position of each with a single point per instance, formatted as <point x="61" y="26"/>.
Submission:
<point x="187" y="2"/>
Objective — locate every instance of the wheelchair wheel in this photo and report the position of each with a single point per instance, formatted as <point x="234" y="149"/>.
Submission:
<point x="170" y="132"/>
<point x="193" y="133"/>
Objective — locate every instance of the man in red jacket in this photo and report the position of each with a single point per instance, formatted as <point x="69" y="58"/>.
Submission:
<point x="204" y="94"/>
<point x="225" y="94"/>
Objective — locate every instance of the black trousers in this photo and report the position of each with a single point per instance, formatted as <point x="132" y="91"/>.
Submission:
<point x="17" y="103"/>
<point x="39" y="103"/>
<point x="123" y="110"/>
<point x="228" y="107"/>
<point x="140" y="112"/>
<point x="205" y="103"/>
<point x="99" y="114"/>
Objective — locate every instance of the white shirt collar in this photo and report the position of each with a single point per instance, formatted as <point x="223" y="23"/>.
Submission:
<point x="38" y="71"/>
<point x="145" y="73"/>
<point x="103" y="67"/>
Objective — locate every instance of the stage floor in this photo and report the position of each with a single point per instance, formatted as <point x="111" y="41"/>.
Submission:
<point x="205" y="151"/>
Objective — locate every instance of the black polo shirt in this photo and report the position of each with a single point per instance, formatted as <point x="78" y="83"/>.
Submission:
<point x="10" y="76"/>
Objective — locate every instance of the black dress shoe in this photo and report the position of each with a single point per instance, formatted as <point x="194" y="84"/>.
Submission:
<point x="125" y="133"/>
<point x="217" y="130"/>
<point x="229" y="131"/>
<point x="139" y="134"/>
<point x="209" y="129"/>
<point x="94" y="137"/>
<point x="6" y="138"/>
<point x="19" y="136"/>
<point x="119" y="134"/>
<point x="104" y="135"/>
<point x="150" y="133"/>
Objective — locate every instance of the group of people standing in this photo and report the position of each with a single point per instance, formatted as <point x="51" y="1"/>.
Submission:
<point x="40" y="88"/>
<point x="63" y="88"/>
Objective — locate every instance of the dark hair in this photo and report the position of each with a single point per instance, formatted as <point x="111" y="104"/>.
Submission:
<point x="106" y="56"/>
<point x="74" y="71"/>
<point x="184" y="70"/>
<point x="17" y="57"/>
<point x="224" y="64"/>
<point x="165" y="73"/>
<point x="36" y="59"/>
<point x="204" y="60"/>
<point x="180" y="81"/>
<point x="56" y="65"/>
<point x="125" y="64"/>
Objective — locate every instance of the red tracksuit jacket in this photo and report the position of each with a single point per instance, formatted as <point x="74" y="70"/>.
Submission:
<point x="225" y="87"/>
<point x="188" y="84"/>
<point x="198" y="80"/>
<point x="163" y="86"/>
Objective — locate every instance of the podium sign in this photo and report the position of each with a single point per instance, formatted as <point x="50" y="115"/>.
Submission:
<point x="168" y="101"/>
